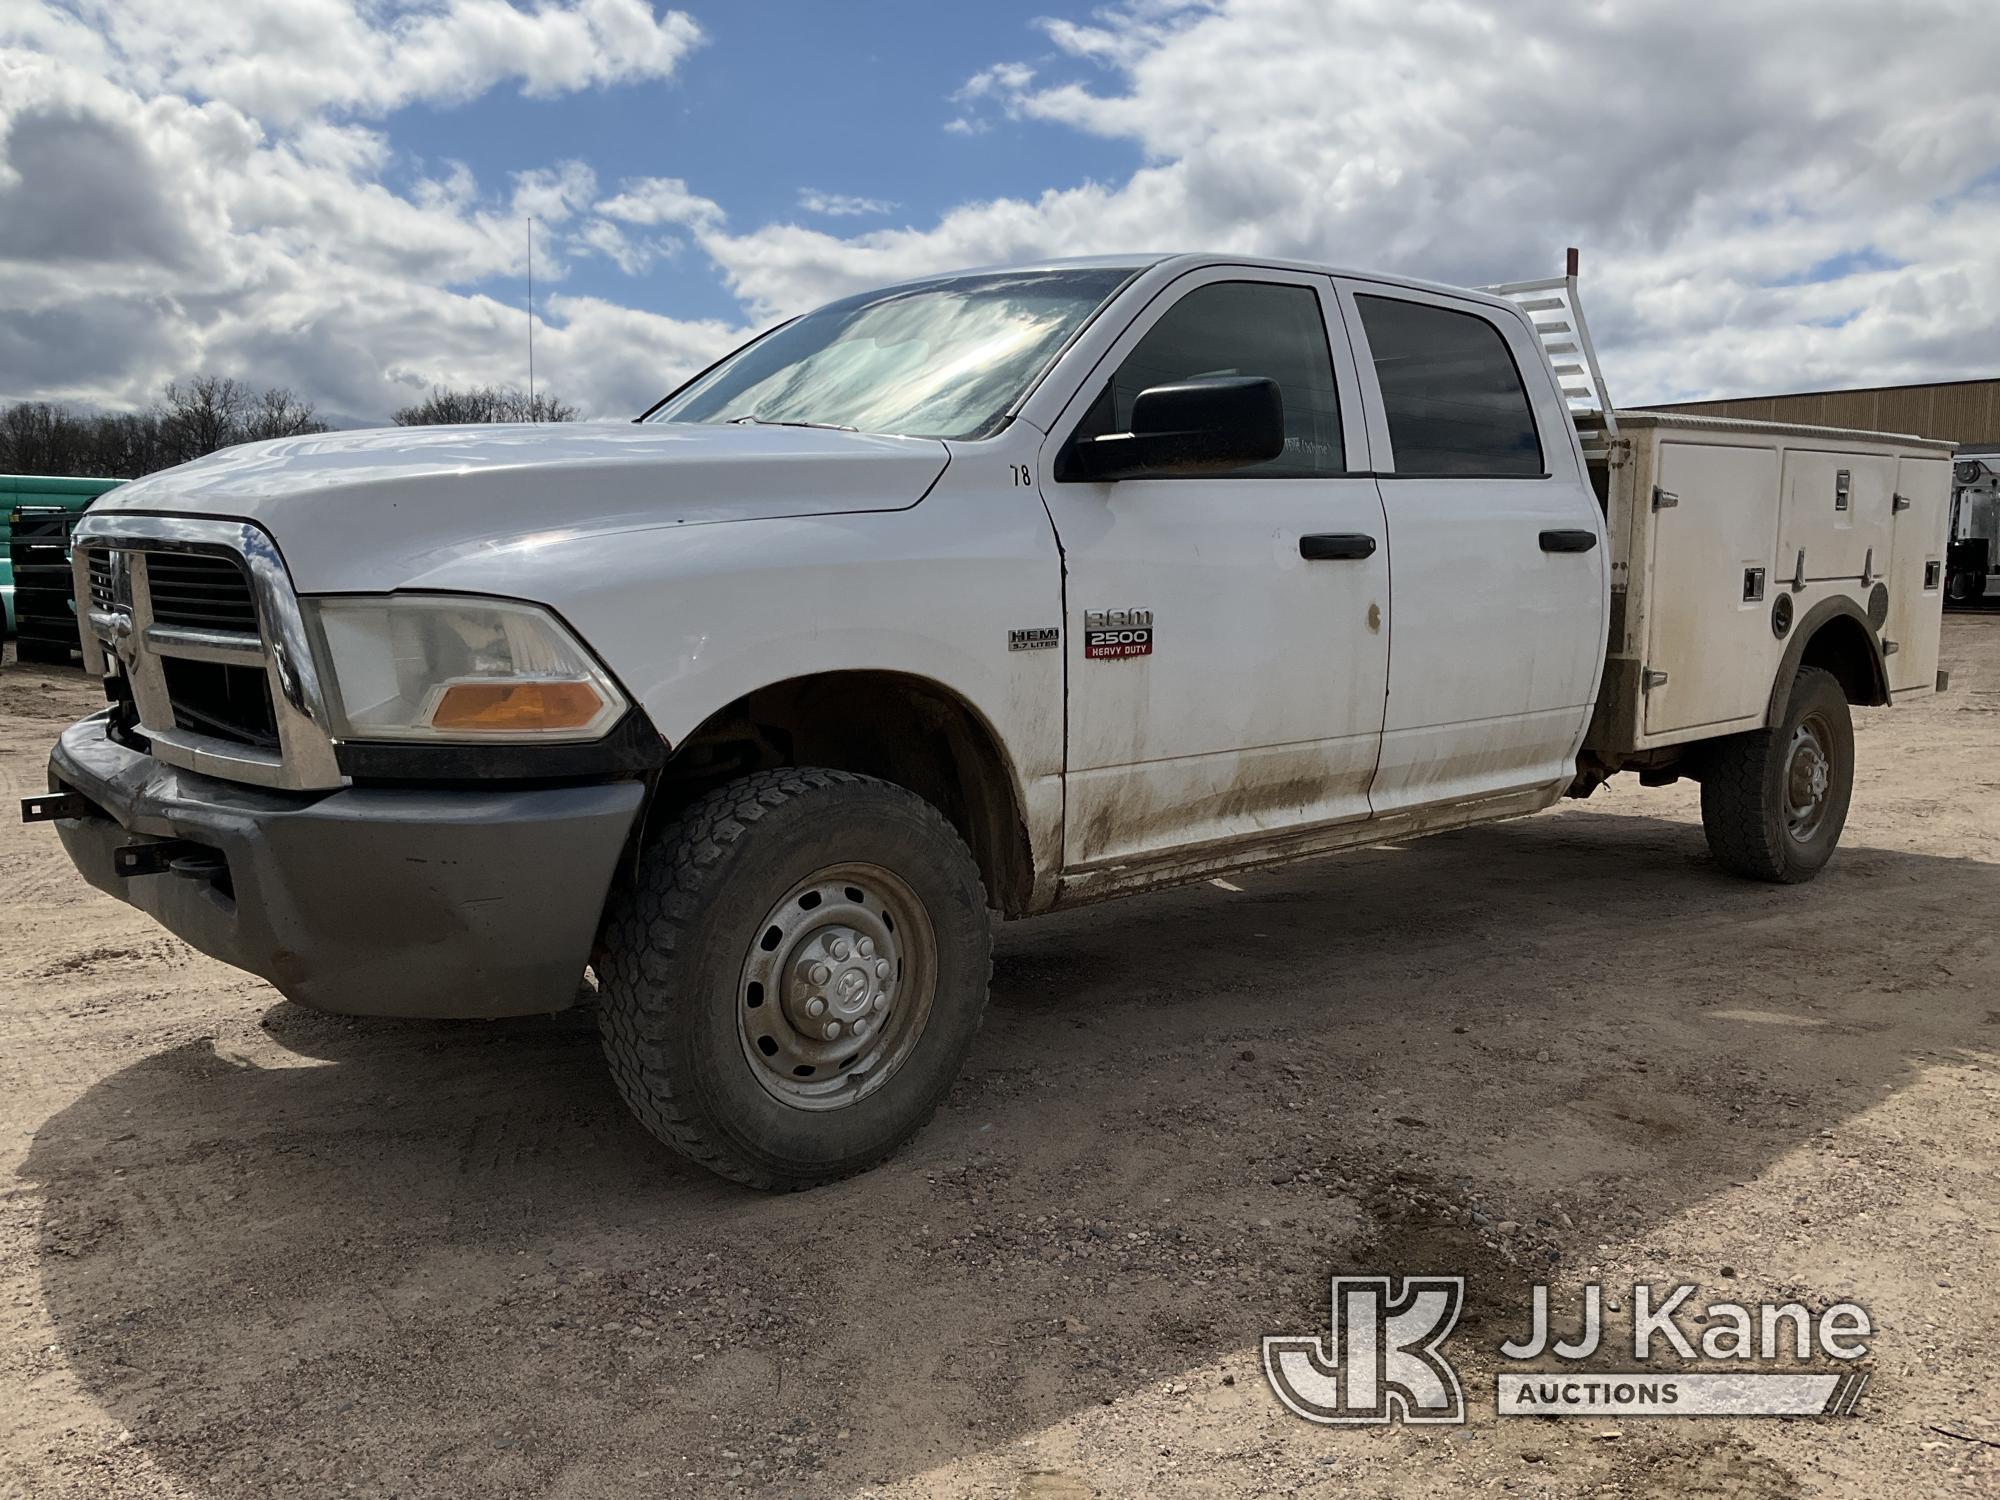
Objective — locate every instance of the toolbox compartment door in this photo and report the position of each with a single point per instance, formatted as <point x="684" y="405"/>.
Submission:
<point x="1837" y="512"/>
<point x="1916" y="574"/>
<point x="1708" y="628"/>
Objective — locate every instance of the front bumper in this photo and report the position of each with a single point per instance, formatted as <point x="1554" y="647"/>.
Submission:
<point x="363" y="901"/>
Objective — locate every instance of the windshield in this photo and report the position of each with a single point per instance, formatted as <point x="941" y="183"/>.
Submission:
<point x="943" y="359"/>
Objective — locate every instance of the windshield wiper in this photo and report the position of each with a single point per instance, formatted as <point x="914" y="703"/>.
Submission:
<point x="772" y="422"/>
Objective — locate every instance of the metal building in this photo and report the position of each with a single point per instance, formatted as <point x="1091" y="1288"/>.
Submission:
<point x="1966" y="411"/>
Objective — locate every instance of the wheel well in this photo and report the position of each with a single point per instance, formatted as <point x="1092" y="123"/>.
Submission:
<point x="1842" y="646"/>
<point x="902" y="729"/>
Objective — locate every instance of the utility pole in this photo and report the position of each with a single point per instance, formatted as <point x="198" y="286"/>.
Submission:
<point x="531" y="315"/>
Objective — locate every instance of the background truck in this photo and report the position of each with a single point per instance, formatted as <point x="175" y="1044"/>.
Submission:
<point x="1974" y="547"/>
<point x="995" y="592"/>
<point x="36" y="513"/>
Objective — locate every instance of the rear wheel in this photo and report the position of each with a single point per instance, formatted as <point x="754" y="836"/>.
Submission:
<point x="792" y="982"/>
<point x="1773" y="803"/>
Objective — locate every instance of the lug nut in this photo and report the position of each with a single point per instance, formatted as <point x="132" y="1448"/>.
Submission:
<point x="832" y="1032"/>
<point x="815" y="1006"/>
<point x="821" y="973"/>
<point x="881" y="1004"/>
<point x="866" y="947"/>
<point x="838" y="947"/>
<point x="881" y="968"/>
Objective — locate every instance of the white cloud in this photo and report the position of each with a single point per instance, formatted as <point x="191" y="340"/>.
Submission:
<point x="843" y="205"/>
<point x="632" y="254"/>
<point x="1004" y="80"/>
<point x="661" y="200"/>
<point x="554" y="194"/>
<point x="1700" y="155"/>
<point x="1795" y="193"/>
<point x="284" y="61"/>
<point x="146" y="232"/>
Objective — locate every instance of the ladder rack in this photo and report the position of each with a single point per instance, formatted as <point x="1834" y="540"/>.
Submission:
<point x="1555" y="309"/>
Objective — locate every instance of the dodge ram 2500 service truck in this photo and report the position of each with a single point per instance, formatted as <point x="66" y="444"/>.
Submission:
<point x="1000" y="591"/>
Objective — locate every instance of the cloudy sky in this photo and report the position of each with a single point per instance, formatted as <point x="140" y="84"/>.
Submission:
<point x="332" y="194"/>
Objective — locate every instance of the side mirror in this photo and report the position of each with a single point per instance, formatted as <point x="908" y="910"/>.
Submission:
<point x="1215" y="423"/>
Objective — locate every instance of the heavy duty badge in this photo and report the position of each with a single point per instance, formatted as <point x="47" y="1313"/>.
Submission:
<point x="1042" y="638"/>
<point x="1113" y="634"/>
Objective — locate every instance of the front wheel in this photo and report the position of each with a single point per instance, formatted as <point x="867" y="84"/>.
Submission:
<point x="791" y="983"/>
<point x="1773" y="802"/>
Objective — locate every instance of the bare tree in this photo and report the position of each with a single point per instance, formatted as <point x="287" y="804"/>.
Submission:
<point x="279" y="413"/>
<point x="203" y="413"/>
<point x="485" y="403"/>
<point x="122" y="445"/>
<point x="194" y="417"/>
<point x="37" y="438"/>
<point x="207" y="412"/>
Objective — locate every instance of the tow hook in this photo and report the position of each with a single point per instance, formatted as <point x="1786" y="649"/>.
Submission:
<point x="159" y="856"/>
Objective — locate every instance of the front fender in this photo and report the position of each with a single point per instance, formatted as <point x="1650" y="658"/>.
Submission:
<point x="691" y="618"/>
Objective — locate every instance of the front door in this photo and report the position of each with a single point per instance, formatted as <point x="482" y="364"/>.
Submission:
<point x="1227" y="635"/>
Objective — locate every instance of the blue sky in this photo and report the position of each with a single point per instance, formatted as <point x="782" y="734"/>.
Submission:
<point x="785" y="95"/>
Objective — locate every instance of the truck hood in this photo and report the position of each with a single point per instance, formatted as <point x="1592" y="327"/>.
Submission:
<point x="380" y="509"/>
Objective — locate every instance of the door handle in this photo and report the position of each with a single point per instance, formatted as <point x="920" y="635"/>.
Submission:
<point x="1349" y="545"/>
<point x="1568" y="541"/>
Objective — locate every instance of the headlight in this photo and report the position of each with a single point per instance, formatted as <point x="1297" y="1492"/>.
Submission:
<point x="410" y="667"/>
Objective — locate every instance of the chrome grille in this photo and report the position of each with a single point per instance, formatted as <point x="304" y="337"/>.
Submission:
<point x="101" y="596"/>
<point x="196" y="623"/>
<point x="222" y="699"/>
<point x="201" y="591"/>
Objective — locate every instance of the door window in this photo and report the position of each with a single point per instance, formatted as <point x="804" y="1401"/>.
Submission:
<point x="1453" y="394"/>
<point x="1240" y="328"/>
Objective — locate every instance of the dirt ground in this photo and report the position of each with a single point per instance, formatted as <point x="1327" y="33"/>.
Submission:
<point x="248" y="1250"/>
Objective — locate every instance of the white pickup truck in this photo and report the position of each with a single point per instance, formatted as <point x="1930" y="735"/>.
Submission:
<point x="996" y="592"/>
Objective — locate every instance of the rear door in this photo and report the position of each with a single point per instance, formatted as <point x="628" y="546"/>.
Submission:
<point x="1222" y="685"/>
<point x="1500" y="588"/>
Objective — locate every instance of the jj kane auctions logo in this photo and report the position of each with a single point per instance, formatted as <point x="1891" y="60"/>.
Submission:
<point x="1384" y="1360"/>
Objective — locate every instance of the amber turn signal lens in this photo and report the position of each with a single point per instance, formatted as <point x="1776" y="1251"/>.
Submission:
<point x="516" y="707"/>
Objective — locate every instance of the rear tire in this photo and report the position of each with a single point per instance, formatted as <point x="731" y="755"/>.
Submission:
<point x="791" y="984"/>
<point x="1773" y="802"/>
<point x="1965" y="588"/>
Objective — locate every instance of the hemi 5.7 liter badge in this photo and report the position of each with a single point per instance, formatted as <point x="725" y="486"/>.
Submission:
<point x="1042" y="638"/>
<point x="1113" y="634"/>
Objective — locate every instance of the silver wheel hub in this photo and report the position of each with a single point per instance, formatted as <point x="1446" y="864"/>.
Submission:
<point x="836" y="987"/>
<point x="1808" y="778"/>
<point x="840" y="983"/>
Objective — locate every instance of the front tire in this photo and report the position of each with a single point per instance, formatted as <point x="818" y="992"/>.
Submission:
<point x="1773" y="802"/>
<point x="789" y="987"/>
